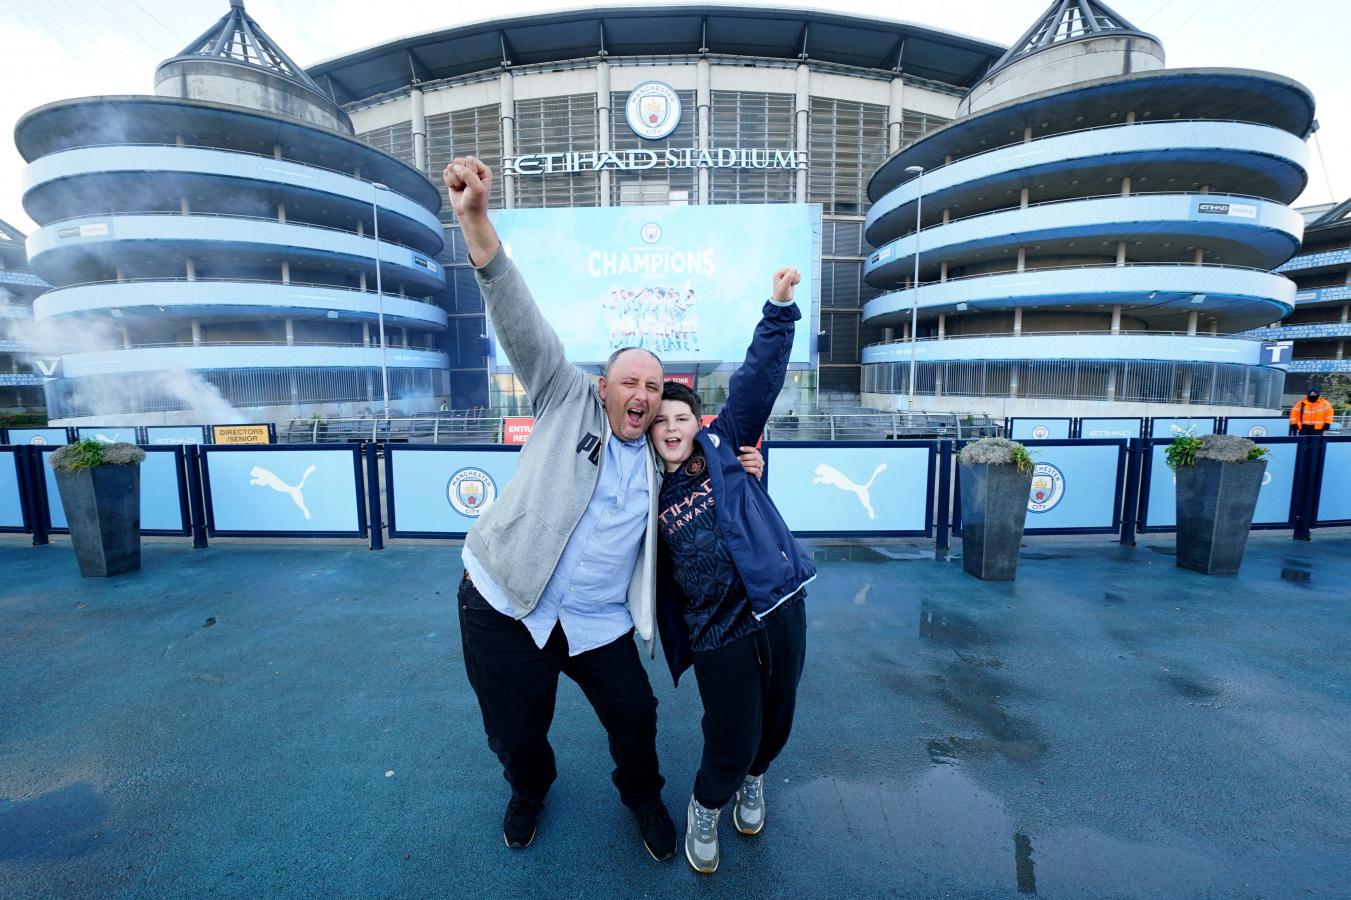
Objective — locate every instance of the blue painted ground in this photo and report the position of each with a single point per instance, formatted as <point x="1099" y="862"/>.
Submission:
<point x="292" y="720"/>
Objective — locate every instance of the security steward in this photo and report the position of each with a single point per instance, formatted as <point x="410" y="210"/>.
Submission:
<point x="1312" y="415"/>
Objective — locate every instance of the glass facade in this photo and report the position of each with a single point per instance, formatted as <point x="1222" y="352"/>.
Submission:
<point x="847" y="140"/>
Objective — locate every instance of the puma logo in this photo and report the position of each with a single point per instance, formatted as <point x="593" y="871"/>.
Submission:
<point x="835" y="478"/>
<point x="263" y="478"/>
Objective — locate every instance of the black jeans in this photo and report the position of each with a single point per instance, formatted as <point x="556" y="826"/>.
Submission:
<point x="516" y="683"/>
<point x="749" y="689"/>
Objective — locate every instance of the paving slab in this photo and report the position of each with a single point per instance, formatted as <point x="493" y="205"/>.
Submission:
<point x="293" y="720"/>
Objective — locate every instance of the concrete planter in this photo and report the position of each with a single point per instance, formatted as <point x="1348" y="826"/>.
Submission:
<point x="994" y="508"/>
<point x="103" y="508"/>
<point x="1215" y="503"/>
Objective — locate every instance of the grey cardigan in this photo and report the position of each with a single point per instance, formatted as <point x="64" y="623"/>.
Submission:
<point x="520" y="537"/>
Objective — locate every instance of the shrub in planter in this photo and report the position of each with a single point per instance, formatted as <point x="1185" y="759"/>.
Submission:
<point x="100" y="487"/>
<point x="1218" y="479"/>
<point x="996" y="481"/>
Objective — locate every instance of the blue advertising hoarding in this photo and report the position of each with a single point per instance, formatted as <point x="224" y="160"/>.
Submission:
<point x="686" y="282"/>
<point x="1334" y="497"/>
<point x="441" y="491"/>
<point x="848" y="487"/>
<point x="283" y="491"/>
<point x="163" y="494"/>
<point x="11" y="497"/>
<point x="1075" y="486"/>
<point x="37" y="436"/>
<point x="174" y="435"/>
<point x="107" y="434"/>
<point x="1039" y="429"/>
<point x="1110" y="428"/>
<point x="1257" y="426"/>
<point x="1273" y="502"/>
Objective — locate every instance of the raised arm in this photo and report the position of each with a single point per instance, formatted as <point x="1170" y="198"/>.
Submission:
<point x="755" y="385"/>
<point x="529" y="341"/>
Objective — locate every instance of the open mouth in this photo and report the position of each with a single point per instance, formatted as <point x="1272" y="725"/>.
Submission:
<point x="672" y="443"/>
<point x="635" y="416"/>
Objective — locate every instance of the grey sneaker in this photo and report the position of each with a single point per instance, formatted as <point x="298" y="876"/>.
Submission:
<point x="749" y="813"/>
<point x="701" y="837"/>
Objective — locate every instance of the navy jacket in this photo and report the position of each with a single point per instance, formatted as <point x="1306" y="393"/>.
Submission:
<point x="771" y="564"/>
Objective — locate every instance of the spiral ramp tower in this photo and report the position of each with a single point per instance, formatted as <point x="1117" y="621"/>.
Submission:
<point x="221" y="236"/>
<point x="1095" y="232"/>
<point x="21" y="377"/>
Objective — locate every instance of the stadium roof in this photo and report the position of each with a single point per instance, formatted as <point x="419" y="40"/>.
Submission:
<point x="1065" y="21"/>
<point x="791" y="34"/>
<point x="1336" y="220"/>
<point x="237" y="38"/>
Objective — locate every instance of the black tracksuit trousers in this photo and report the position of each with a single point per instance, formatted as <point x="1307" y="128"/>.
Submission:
<point x="516" y="683"/>
<point x="749" y="689"/>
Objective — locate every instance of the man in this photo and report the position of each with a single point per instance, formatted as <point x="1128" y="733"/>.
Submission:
<point x="560" y="570"/>
<point x="1311" y="415"/>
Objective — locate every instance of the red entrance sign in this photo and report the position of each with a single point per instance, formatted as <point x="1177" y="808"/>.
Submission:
<point x="516" y="429"/>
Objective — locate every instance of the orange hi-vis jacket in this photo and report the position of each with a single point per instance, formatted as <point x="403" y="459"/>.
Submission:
<point x="1318" y="414"/>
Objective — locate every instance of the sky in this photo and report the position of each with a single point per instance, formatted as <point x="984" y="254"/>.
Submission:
<point x="59" y="49"/>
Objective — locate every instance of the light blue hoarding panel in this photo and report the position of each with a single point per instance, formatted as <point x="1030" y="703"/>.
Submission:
<point x="1334" y="498"/>
<point x="179" y="435"/>
<point x="110" y="434"/>
<point x="281" y="491"/>
<point x="1073" y="487"/>
<point x="1040" y="429"/>
<point x="849" y="489"/>
<point x="1259" y="426"/>
<point x="445" y="491"/>
<point x="1109" y="428"/>
<point x="11" y="501"/>
<point x="686" y="282"/>
<point x="1170" y="428"/>
<point x="1273" y="502"/>
<point x="39" y="436"/>
<point x="161" y="509"/>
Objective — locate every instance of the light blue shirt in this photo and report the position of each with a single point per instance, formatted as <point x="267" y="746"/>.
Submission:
<point x="588" y="593"/>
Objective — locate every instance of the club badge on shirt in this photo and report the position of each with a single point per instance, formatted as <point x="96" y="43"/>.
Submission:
<point x="695" y="466"/>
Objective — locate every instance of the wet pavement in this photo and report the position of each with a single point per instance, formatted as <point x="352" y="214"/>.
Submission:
<point x="292" y="720"/>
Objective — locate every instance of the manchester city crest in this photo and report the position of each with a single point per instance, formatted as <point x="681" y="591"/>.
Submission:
<point x="653" y="110"/>
<point x="1048" y="488"/>
<point x="1041" y="432"/>
<point x="1257" y="431"/>
<point x="471" y="491"/>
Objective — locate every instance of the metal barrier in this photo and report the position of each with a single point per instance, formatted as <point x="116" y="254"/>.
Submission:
<point x="840" y="488"/>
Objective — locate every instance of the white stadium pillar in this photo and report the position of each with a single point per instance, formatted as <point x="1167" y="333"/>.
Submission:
<point x="895" y="113"/>
<point x="419" y="128"/>
<point x="507" y="103"/>
<point x="603" y="120"/>
<point x="804" y="86"/>
<point x="703" y="99"/>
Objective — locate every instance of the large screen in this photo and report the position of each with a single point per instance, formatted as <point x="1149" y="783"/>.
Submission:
<point x="686" y="282"/>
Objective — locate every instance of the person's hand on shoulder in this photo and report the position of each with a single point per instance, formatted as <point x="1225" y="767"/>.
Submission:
<point x="784" y="281"/>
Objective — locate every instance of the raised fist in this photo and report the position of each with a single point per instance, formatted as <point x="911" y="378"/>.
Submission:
<point x="784" y="281"/>
<point x="468" y="180"/>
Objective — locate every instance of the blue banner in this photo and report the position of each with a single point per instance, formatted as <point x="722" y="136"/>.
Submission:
<point x="107" y="434"/>
<point x="1171" y="428"/>
<point x="1334" y="497"/>
<point x="161" y="506"/>
<point x="1021" y="429"/>
<point x="844" y="488"/>
<point x="686" y="282"/>
<point x="177" y="435"/>
<point x="1074" y="486"/>
<point x="11" y="498"/>
<point x="37" y="436"/>
<point x="1258" y="426"/>
<point x="1110" y="428"/>
<point x="442" y="492"/>
<point x="1273" y="503"/>
<point x="262" y="492"/>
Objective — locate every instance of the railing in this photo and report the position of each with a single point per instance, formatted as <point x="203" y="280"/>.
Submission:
<point x="1013" y="334"/>
<point x="444" y="428"/>
<point x="1105" y="265"/>
<point x="266" y="281"/>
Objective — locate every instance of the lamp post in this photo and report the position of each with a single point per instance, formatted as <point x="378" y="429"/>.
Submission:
<point x="376" y="187"/>
<point x="918" y="172"/>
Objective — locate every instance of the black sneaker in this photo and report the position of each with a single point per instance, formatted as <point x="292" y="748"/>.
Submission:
<point x="658" y="831"/>
<point x="518" y="828"/>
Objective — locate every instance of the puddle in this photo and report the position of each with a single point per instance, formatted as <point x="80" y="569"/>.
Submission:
<point x="945" y="627"/>
<point x="59" y="825"/>
<point x="1025" y="868"/>
<point x="1114" y="597"/>
<point x="1191" y="687"/>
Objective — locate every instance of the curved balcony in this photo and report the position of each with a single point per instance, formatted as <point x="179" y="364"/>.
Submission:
<point x="1311" y="331"/>
<point x="1245" y="232"/>
<point x="68" y="246"/>
<point x="71" y="182"/>
<point x="226" y="299"/>
<point x="1307" y="263"/>
<point x="246" y="356"/>
<point x="1074" y="346"/>
<point x="1250" y="296"/>
<point x="1234" y="157"/>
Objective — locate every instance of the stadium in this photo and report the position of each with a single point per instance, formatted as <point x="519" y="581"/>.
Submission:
<point x="217" y="241"/>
